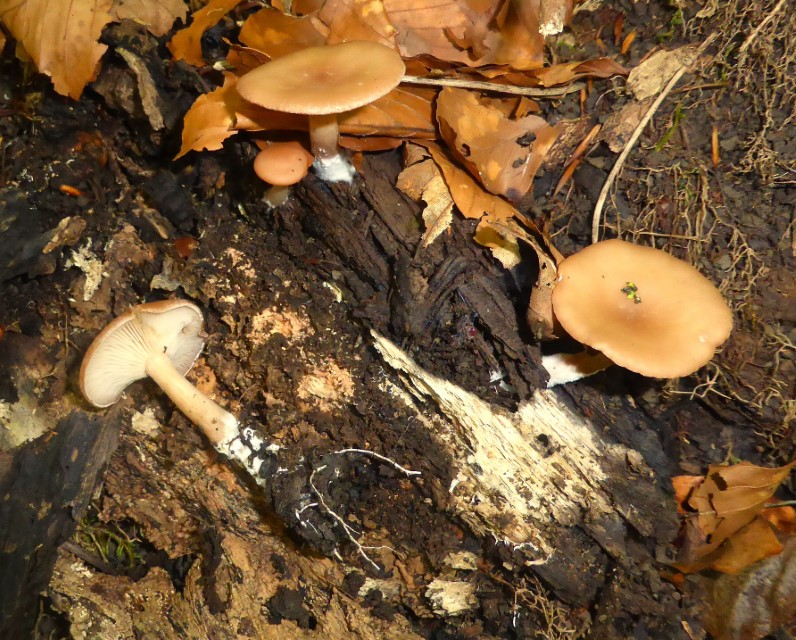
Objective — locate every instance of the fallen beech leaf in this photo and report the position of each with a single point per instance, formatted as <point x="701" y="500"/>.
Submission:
<point x="67" y="49"/>
<point x="357" y="20"/>
<point x="621" y="124"/>
<point x="683" y="485"/>
<point x="783" y="518"/>
<point x="519" y="40"/>
<point x="405" y="112"/>
<point x="417" y="174"/>
<point x="470" y="198"/>
<point x="504" y="154"/>
<point x="419" y="27"/>
<point x="242" y="59"/>
<point x="424" y="180"/>
<point x="370" y="143"/>
<point x="208" y="122"/>
<point x="276" y="34"/>
<point x="749" y="544"/>
<point x="158" y="17"/>
<point x="504" y="247"/>
<point x="187" y="43"/>
<point x="569" y="71"/>
<point x="438" y="214"/>
<point x="726" y="530"/>
<point x="732" y="496"/>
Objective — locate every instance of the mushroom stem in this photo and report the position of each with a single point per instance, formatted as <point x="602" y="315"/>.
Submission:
<point x="217" y="424"/>
<point x="324" y="133"/>
<point x="276" y="195"/>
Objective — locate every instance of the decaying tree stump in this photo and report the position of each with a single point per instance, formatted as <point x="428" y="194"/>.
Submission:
<point x="521" y="489"/>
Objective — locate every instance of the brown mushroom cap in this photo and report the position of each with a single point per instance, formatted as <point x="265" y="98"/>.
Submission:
<point x="119" y="353"/>
<point x="283" y="163"/>
<point x="324" y="80"/>
<point x="643" y="308"/>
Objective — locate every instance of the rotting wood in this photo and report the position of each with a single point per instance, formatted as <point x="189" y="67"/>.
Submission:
<point x="525" y="477"/>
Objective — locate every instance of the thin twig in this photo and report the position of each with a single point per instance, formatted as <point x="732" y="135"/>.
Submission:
<point x="533" y="92"/>
<point x="750" y="38"/>
<point x="350" y="532"/>
<point x="620" y="161"/>
<point x="378" y="456"/>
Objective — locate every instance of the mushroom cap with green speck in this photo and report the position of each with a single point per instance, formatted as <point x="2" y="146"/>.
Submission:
<point x="644" y="309"/>
<point x="324" y="80"/>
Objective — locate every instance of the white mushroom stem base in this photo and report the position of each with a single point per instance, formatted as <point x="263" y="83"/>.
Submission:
<point x="250" y="451"/>
<point x="219" y="426"/>
<point x="330" y="165"/>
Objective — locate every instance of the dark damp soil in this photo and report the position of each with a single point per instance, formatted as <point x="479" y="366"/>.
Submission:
<point x="96" y="216"/>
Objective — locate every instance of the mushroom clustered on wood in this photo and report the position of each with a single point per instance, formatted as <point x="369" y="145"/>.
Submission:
<point x="323" y="82"/>
<point x="281" y="164"/>
<point x="644" y="309"/>
<point x="162" y="340"/>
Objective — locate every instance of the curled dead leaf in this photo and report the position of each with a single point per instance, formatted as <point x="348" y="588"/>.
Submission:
<point x="503" y="153"/>
<point x="67" y="50"/>
<point x="187" y="43"/>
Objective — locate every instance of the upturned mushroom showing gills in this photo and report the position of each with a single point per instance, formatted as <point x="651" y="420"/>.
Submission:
<point x="323" y="82"/>
<point x="644" y="309"/>
<point x="162" y="340"/>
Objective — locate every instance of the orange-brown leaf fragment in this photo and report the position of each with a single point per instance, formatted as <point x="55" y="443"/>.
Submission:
<point x="67" y="50"/>
<point x="727" y="529"/>
<point x="424" y="180"/>
<point x="405" y="112"/>
<point x="434" y="27"/>
<point x="276" y="34"/>
<point x="158" y="17"/>
<point x="208" y="122"/>
<point x="357" y="20"/>
<point x="187" y="43"/>
<point x="504" y="154"/>
<point x="470" y="198"/>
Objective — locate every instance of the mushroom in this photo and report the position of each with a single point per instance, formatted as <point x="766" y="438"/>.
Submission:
<point x="281" y="164"/>
<point x="323" y="82"/>
<point x="160" y="340"/>
<point x="643" y="308"/>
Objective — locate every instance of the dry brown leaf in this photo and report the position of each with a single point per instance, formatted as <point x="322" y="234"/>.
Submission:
<point x="370" y="143"/>
<point x="518" y="42"/>
<point x="470" y="198"/>
<point x="504" y="154"/>
<point x="414" y="178"/>
<point x="783" y="518"/>
<point x="683" y="485"/>
<point x="357" y="20"/>
<point x="749" y="544"/>
<point x="67" y="50"/>
<point x="504" y="246"/>
<point x="731" y="497"/>
<point x="424" y="180"/>
<point x="725" y="528"/>
<point x="420" y="32"/>
<point x="567" y="72"/>
<point x="208" y="122"/>
<point x="620" y="125"/>
<point x="187" y="43"/>
<point x="405" y="112"/>
<point x="276" y="34"/>
<point x="157" y="17"/>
